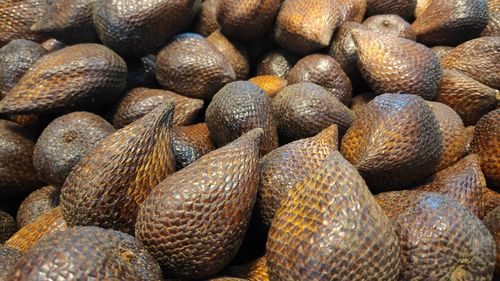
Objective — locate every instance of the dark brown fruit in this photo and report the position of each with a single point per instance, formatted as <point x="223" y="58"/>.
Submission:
<point x="403" y="8"/>
<point x="322" y="70"/>
<point x="37" y="203"/>
<point x="140" y="27"/>
<point x="16" y="17"/>
<point x="469" y="98"/>
<point x="142" y="72"/>
<point x="440" y="239"/>
<point x="194" y="221"/>
<point x="399" y="146"/>
<point x="486" y="144"/>
<point x="390" y="25"/>
<point x="353" y="10"/>
<point x="112" y="180"/>
<point x="277" y="62"/>
<point x="236" y="53"/>
<point x="81" y="253"/>
<point x="193" y="67"/>
<point x="304" y="27"/>
<point x="64" y="142"/>
<point x="8" y="258"/>
<point x="238" y="108"/>
<point x="393" y="64"/>
<point x="8" y="226"/>
<point x="140" y="101"/>
<point x="330" y="228"/>
<point x="252" y="271"/>
<point x="15" y="59"/>
<point x="16" y="160"/>
<point x="359" y="102"/>
<point x="441" y="51"/>
<point x="451" y="22"/>
<point x="477" y="58"/>
<point x="269" y="83"/>
<point x="52" y="45"/>
<point x="468" y="136"/>
<point x="190" y="143"/>
<point x="284" y="167"/>
<point x="492" y="222"/>
<point x="303" y="110"/>
<point x="493" y="26"/>
<point x="247" y="20"/>
<point x="207" y="18"/>
<point x="76" y="77"/>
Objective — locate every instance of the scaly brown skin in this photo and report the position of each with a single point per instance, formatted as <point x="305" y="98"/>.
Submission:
<point x="493" y="26"/>
<point x="492" y="222"/>
<point x="277" y="62"/>
<point x="451" y="22"/>
<point x="140" y="27"/>
<point x="269" y="83"/>
<point x="197" y="234"/>
<point x="359" y="102"/>
<point x="77" y="77"/>
<point x="393" y="65"/>
<point x="478" y="59"/>
<point x="16" y="160"/>
<point x="440" y="239"/>
<point x="403" y="8"/>
<point x="400" y="146"/>
<point x="29" y="235"/>
<point x="65" y="141"/>
<point x="469" y="98"/>
<point x="190" y="143"/>
<point x="468" y="136"/>
<point x="16" y="17"/>
<point x="304" y="27"/>
<point x="390" y="25"/>
<point x="140" y="101"/>
<point x="252" y="271"/>
<point x="247" y="20"/>
<point x="82" y="253"/>
<point x="235" y="52"/>
<point x="8" y="259"/>
<point x="191" y="66"/>
<point x="207" y="23"/>
<point x="284" y="167"/>
<point x="322" y="70"/>
<point x="441" y="51"/>
<point x="353" y="10"/>
<point x="486" y="144"/>
<point x="37" y="203"/>
<point x="314" y="237"/>
<point x="110" y="183"/>
<point x="421" y="7"/>
<point x="8" y="226"/>
<point x="238" y="108"/>
<point x="52" y="45"/>
<point x="303" y="110"/>
<point x="452" y="130"/>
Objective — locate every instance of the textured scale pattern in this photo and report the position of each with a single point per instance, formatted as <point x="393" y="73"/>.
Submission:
<point x="8" y="258"/>
<point x="252" y="271"/>
<point x="394" y="65"/>
<point x="276" y="62"/>
<point x="37" y="203"/>
<point x="190" y="143"/>
<point x="441" y="51"/>
<point x="269" y="83"/>
<point x="434" y="230"/>
<point x="194" y="221"/>
<point x="353" y="10"/>
<point x="493" y="26"/>
<point x="109" y="184"/>
<point x="284" y="167"/>
<point x="403" y="8"/>
<point x="79" y="76"/>
<point x="235" y="52"/>
<point x="359" y="103"/>
<point x="87" y="253"/>
<point x="52" y="45"/>
<point x="7" y="226"/>
<point x="330" y="228"/>
<point x="468" y="135"/>
<point x="390" y="25"/>
<point x="401" y="145"/>
<point x="207" y="23"/>
<point x="16" y="18"/>
<point x="492" y="222"/>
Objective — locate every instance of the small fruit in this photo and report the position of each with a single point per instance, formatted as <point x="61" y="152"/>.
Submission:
<point x="277" y="62"/>
<point x="390" y="25"/>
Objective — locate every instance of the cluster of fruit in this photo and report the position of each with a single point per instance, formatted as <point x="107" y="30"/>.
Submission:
<point x="249" y="140"/>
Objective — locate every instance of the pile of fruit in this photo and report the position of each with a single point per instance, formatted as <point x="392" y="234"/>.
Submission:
<point x="250" y="140"/>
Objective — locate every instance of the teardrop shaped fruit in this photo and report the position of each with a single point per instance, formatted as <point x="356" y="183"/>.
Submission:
<point x="393" y="65"/>
<point x="493" y="26"/>
<point x="8" y="226"/>
<point x="330" y="228"/>
<point x="478" y="59"/>
<point x="247" y="20"/>
<point x="253" y="271"/>
<point x="269" y="83"/>
<point x="190" y="143"/>
<point x="276" y="62"/>
<point x="87" y="252"/>
<point x="353" y="10"/>
<point x="140" y="101"/>
<point x="440" y="239"/>
<point x="403" y="8"/>
<point x="284" y="167"/>
<point x="486" y="144"/>
<point x="8" y="258"/>
<point x="65" y="141"/>
<point x="238" y="108"/>
<point x="191" y="66"/>
<point x="195" y="220"/>
<point x="235" y="52"/>
<point x="76" y="77"/>
<point x="16" y="17"/>
<point x="37" y="203"/>
<point x="390" y="25"/>
<point x="303" y="110"/>
<point x="110" y="183"/>
<point x="451" y="22"/>
<point x="207" y="23"/>
<point x="401" y="145"/>
<point x="304" y="27"/>
<point x="322" y="70"/>
<point x="16" y="160"/>
<point x="492" y="222"/>
<point x="140" y="27"/>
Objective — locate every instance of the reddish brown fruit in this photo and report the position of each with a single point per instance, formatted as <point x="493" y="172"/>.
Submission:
<point x="16" y="17"/>
<point x="277" y="62"/>
<point x="190" y="143"/>
<point x="353" y="10"/>
<point x="390" y="25"/>
<point x="37" y="203"/>
<point x="403" y="8"/>
<point x="207" y="18"/>
<point x="52" y="45"/>
<point x="468" y="136"/>
<point x="493" y="26"/>
<point x="269" y="83"/>
<point x="236" y="53"/>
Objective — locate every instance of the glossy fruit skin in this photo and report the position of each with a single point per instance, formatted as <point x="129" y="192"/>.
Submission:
<point x="313" y="237"/>
<point x="269" y="83"/>
<point x="8" y="226"/>
<point x="403" y="8"/>
<point x="433" y="229"/>
<point x="65" y="141"/>
<point x="8" y="258"/>
<point x="109" y="184"/>
<point x="37" y="203"/>
<point x="207" y="23"/>
<point x="16" y="17"/>
<point x="277" y="62"/>
<point x="214" y="199"/>
<point x="390" y="24"/>
<point x="190" y="143"/>
<point x="81" y="76"/>
<point x="492" y="223"/>
<point x="81" y="252"/>
<point x="235" y="52"/>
